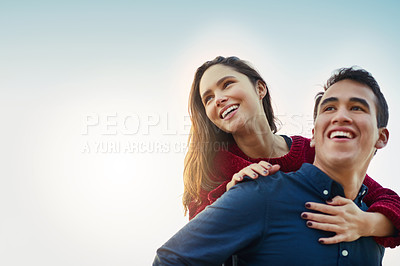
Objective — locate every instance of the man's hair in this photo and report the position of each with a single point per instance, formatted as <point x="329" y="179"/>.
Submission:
<point x="364" y="77"/>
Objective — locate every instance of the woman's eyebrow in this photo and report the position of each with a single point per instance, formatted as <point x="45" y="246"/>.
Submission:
<point x="221" y="80"/>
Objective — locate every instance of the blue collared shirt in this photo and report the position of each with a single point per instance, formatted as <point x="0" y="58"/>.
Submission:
<point x="260" y="222"/>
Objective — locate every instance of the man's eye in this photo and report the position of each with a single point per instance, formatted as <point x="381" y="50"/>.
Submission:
<point x="357" y="108"/>
<point x="329" y="108"/>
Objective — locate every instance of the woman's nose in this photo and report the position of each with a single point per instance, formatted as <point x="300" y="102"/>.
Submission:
<point x="220" y="99"/>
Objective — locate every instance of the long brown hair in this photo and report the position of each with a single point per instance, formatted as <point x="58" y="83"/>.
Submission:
<point x="204" y="134"/>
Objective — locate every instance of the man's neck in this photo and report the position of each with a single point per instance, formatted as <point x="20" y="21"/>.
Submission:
<point x="351" y="178"/>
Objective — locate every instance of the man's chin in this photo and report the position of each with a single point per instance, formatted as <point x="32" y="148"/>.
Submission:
<point x="341" y="159"/>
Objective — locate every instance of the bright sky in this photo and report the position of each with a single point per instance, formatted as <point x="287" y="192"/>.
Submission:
<point x="93" y="101"/>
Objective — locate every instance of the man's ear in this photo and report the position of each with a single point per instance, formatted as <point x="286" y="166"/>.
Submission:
<point x="261" y="88"/>
<point x="312" y="142"/>
<point x="383" y="138"/>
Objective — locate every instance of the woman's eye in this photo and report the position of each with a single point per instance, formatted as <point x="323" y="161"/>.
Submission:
<point x="207" y="99"/>
<point x="227" y="83"/>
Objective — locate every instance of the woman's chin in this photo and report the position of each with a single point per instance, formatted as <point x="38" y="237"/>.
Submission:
<point x="233" y="126"/>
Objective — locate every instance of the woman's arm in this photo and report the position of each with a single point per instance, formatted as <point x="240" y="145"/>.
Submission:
<point x="347" y="220"/>
<point x="349" y="223"/>
<point x="386" y="202"/>
<point x="378" y="225"/>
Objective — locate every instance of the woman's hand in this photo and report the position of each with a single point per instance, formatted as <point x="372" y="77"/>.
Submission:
<point x="348" y="221"/>
<point x="253" y="170"/>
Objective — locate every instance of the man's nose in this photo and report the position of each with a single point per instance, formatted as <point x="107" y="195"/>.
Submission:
<point x="342" y="115"/>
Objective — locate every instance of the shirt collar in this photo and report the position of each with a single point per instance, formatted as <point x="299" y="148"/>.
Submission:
<point x="327" y="187"/>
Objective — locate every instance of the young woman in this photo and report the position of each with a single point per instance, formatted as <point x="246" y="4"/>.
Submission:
<point x="233" y="134"/>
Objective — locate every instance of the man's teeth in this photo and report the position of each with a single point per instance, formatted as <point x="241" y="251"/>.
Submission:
<point x="341" y="134"/>
<point x="233" y="107"/>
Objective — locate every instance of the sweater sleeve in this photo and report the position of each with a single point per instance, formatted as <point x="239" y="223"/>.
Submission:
<point x="196" y="207"/>
<point x="387" y="202"/>
<point x="217" y="192"/>
<point x="207" y="198"/>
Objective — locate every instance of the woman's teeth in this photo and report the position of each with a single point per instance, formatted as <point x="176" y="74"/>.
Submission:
<point x="227" y="111"/>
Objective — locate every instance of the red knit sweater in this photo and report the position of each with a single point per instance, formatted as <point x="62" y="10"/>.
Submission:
<point x="228" y="162"/>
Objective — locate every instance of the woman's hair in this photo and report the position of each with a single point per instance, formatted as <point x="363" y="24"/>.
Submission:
<point x="205" y="138"/>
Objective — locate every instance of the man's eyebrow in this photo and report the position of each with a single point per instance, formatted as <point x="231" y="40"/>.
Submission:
<point x="361" y="101"/>
<point x="352" y="99"/>
<point x="218" y="83"/>
<point x="328" y="100"/>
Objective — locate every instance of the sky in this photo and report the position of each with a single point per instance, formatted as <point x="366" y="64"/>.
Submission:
<point x="93" y="101"/>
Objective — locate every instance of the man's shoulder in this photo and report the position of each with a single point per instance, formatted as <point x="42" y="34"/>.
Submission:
<point x="264" y="184"/>
<point x="305" y="174"/>
<point x="246" y="199"/>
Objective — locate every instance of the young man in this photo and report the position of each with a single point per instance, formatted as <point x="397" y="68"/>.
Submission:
<point x="260" y="220"/>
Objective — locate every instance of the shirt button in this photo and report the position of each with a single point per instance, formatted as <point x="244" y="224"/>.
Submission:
<point x="345" y="252"/>
<point x="326" y="192"/>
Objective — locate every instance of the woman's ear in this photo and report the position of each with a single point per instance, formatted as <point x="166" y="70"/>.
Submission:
<point x="261" y="88"/>
<point x="383" y="138"/>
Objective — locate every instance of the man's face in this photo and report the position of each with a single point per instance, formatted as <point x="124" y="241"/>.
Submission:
<point x="345" y="132"/>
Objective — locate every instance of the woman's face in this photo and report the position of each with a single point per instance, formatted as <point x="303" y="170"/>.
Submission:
<point x="230" y="99"/>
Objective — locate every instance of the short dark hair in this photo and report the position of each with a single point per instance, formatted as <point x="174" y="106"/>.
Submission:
<point x="364" y="77"/>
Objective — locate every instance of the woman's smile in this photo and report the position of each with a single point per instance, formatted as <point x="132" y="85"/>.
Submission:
<point x="228" y="111"/>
